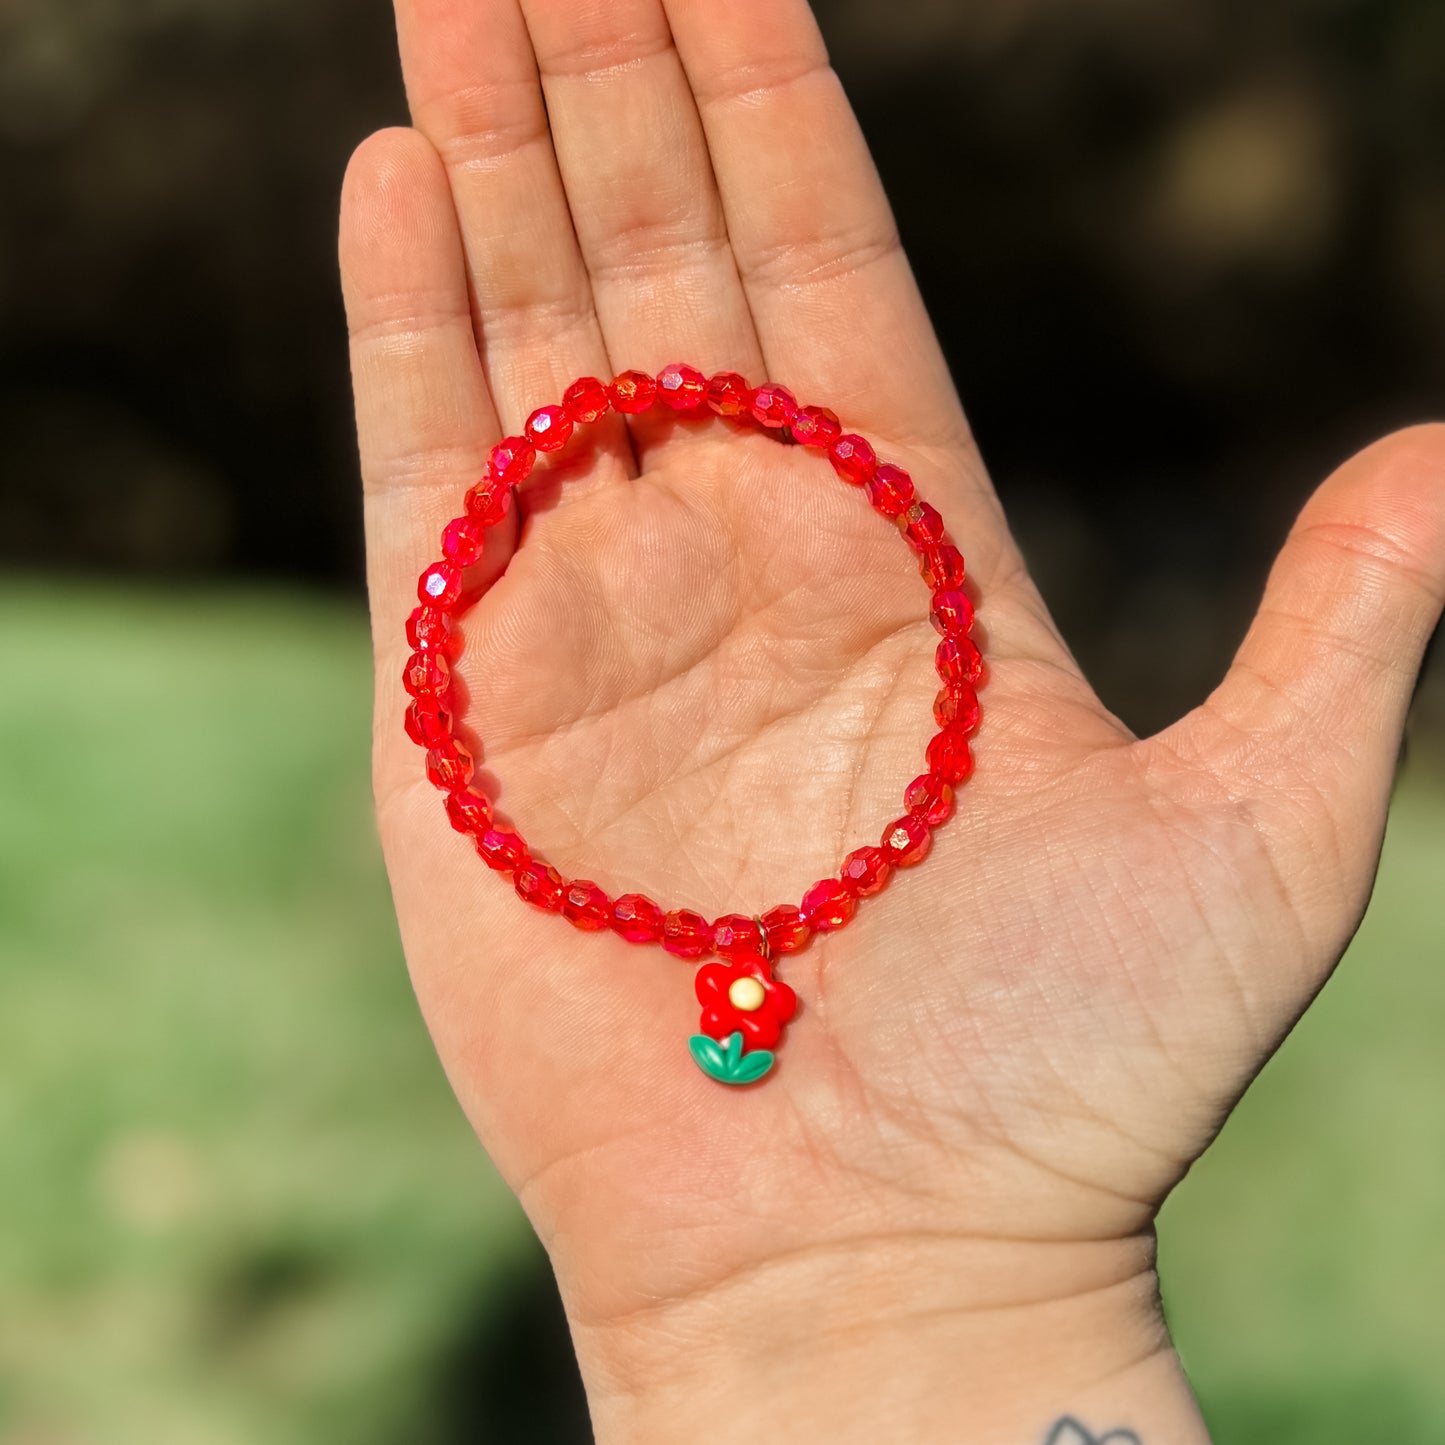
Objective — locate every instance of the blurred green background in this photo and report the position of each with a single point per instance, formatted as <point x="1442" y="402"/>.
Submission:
<point x="1183" y="260"/>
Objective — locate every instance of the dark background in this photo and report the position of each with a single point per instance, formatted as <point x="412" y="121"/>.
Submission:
<point x="1184" y="258"/>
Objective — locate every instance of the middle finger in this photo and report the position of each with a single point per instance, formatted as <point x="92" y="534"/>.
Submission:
<point x="639" y="181"/>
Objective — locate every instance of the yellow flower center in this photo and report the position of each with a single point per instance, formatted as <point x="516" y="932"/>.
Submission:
<point x="746" y="994"/>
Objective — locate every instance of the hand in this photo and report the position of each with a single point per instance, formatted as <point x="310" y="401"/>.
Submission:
<point x="704" y="672"/>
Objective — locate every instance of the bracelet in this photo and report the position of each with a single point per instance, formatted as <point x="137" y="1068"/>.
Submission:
<point x="744" y="1006"/>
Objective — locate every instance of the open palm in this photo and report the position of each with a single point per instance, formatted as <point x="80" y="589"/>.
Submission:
<point x="704" y="672"/>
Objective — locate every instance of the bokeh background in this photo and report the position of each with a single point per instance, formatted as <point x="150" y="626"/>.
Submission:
<point x="1184" y="258"/>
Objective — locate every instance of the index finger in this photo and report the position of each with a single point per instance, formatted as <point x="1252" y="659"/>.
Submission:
<point x="832" y="293"/>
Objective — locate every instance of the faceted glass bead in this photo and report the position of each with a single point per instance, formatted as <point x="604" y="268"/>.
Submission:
<point x="957" y="707"/>
<point x="890" y="489"/>
<point x="427" y="726"/>
<point x="958" y="660"/>
<point x="637" y="918"/>
<point x="785" y="928"/>
<point x="449" y="765"/>
<point x="632" y="392"/>
<point x="952" y="612"/>
<point x="511" y="460"/>
<point x="585" y="401"/>
<point x="548" y="428"/>
<point x="949" y="756"/>
<point x="440" y="585"/>
<point x="930" y="798"/>
<point x="772" y="405"/>
<point x="941" y="567"/>
<point x="682" y="387"/>
<point x="469" y="812"/>
<point x="539" y="883"/>
<point x="865" y="871"/>
<point x="828" y="904"/>
<point x="686" y="934"/>
<point x="427" y="630"/>
<point x="489" y="501"/>
<point x="729" y="394"/>
<point x="906" y="841"/>
<point x="462" y="540"/>
<point x="735" y="935"/>
<point x="853" y="458"/>
<point x="586" y="906"/>
<point x="921" y="524"/>
<point x="502" y="849"/>
<point x="815" y="426"/>
<point x="426" y="674"/>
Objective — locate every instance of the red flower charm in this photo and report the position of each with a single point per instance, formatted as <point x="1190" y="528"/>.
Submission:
<point x="742" y="996"/>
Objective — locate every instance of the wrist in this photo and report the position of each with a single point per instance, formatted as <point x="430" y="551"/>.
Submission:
<point x="918" y="1339"/>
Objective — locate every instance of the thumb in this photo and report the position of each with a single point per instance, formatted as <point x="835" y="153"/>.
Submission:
<point x="1306" y="727"/>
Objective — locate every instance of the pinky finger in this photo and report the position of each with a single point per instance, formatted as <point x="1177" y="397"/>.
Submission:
<point x="424" y="417"/>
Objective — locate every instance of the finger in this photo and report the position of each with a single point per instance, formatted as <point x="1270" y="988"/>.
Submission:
<point x="832" y="295"/>
<point x="424" y="415"/>
<point x="831" y="292"/>
<point x="640" y="186"/>
<point x="1314" y="706"/>
<point x="472" y="83"/>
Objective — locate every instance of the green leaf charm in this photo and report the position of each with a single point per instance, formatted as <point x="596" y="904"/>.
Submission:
<point x="726" y="1062"/>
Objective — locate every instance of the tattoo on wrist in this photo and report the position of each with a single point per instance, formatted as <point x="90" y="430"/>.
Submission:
<point x="1068" y="1431"/>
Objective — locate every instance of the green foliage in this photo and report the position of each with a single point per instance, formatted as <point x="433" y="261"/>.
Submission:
<point x="238" y="1204"/>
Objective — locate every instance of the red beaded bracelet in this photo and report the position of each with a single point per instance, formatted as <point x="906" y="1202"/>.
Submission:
<point x="744" y="1007"/>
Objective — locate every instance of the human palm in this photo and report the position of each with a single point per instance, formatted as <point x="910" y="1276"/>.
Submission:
<point x="704" y="671"/>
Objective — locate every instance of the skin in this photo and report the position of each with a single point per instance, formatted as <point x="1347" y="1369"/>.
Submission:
<point x="703" y="670"/>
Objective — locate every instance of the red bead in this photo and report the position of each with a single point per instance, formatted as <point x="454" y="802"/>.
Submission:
<point x="489" y="501"/>
<point x="865" y="871"/>
<point x="906" y="841"/>
<point x="686" y="934"/>
<point x="735" y="935"/>
<point x="469" y="812"/>
<point x="548" y="428"/>
<point x="815" y="426"/>
<point x="921" y="524"/>
<point x="503" y="849"/>
<point x="426" y="674"/>
<point x="729" y="394"/>
<point x="462" y="540"/>
<point x="440" y="585"/>
<point x="785" y="928"/>
<point x="585" y="401"/>
<point x="427" y="630"/>
<point x="890" y="489"/>
<point x="637" y="918"/>
<point x="632" y="392"/>
<point x="952" y="612"/>
<point x="957" y="707"/>
<point x="540" y="884"/>
<point x="449" y="765"/>
<point x="958" y="660"/>
<point x="682" y="387"/>
<point x="586" y="906"/>
<point x="828" y="905"/>
<point x="510" y="461"/>
<point x="930" y="798"/>
<point x="949" y="756"/>
<point x="772" y="405"/>
<point x="942" y="567"/>
<point x="425" y="726"/>
<point x="853" y="458"/>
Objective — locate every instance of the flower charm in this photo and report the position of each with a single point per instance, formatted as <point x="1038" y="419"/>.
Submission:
<point x="742" y="1005"/>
